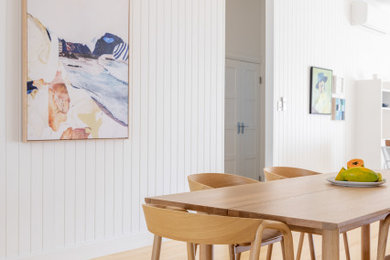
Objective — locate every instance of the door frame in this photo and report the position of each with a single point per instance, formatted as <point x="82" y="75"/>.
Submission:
<point x="269" y="14"/>
<point x="267" y="87"/>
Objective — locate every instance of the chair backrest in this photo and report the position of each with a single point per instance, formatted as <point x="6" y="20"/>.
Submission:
<point x="278" y="173"/>
<point x="200" y="228"/>
<point x="205" y="181"/>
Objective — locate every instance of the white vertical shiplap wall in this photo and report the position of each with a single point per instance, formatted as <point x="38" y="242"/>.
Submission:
<point x="318" y="33"/>
<point x="61" y="196"/>
<point x="3" y="184"/>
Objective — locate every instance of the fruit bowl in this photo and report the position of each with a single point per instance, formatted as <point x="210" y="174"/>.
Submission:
<point x="356" y="175"/>
<point x="355" y="183"/>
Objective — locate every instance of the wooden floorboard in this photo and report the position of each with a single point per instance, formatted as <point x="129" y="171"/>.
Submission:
<point x="172" y="250"/>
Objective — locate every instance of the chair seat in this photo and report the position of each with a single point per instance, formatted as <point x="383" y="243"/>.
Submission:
<point x="270" y="236"/>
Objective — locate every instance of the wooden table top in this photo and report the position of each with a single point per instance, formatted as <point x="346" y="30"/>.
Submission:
<point x="306" y="203"/>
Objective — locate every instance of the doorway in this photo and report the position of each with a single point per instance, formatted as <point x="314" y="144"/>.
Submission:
<point x="244" y="88"/>
<point x="242" y="122"/>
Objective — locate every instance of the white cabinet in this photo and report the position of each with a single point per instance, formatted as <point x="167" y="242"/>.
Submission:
<point x="372" y="121"/>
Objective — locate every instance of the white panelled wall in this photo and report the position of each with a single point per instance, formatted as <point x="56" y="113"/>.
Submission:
<point x="76" y="200"/>
<point x="318" y="33"/>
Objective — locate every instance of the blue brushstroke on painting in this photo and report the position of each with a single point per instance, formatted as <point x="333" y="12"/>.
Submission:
<point x="109" y="88"/>
<point x="121" y="52"/>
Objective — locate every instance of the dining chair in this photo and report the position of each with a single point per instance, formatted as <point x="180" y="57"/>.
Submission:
<point x="194" y="228"/>
<point x="205" y="181"/>
<point x="382" y="240"/>
<point x="279" y="173"/>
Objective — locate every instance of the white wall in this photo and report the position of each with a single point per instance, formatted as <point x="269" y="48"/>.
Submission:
<point x="244" y="33"/>
<point x="318" y="33"/>
<point x="84" y="197"/>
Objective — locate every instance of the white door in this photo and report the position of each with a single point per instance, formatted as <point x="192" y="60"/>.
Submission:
<point x="242" y="119"/>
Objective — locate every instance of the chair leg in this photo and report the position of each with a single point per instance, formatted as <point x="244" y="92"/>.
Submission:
<point x="346" y="246"/>
<point x="231" y="252"/>
<point x="311" y="246"/>
<point x="256" y="244"/>
<point x="283" y="249"/>
<point x="190" y="251"/>
<point x="382" y="241"/>
<point x="300" y="245"/>
<point x="288" y="247"/>
<point x="156" y="248"/>
<point x="269" y="251"/>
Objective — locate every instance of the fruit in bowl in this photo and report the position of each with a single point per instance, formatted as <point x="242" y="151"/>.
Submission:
<point x="354" y="163"/>
<point x="356" y="172"/>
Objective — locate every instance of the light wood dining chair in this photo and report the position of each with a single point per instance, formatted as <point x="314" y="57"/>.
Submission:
<point x="211" y="230"/>
<point x="382" y="240"/>
<point x="205" y="181"/>
<point x="279" y="173"/>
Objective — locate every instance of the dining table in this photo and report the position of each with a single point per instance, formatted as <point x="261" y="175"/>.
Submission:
<point x="308" y="204"/>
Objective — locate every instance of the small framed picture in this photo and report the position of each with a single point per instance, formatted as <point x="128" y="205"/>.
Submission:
<point x="338" y="109"/>
<point x="338" y="86"/>
<point x="321" y="81"/>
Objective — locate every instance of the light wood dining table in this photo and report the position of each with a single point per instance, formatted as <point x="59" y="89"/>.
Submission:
<point x="307" y="204"/>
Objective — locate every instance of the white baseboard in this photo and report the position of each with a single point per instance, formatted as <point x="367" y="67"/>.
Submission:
<point x="95" y="249"/>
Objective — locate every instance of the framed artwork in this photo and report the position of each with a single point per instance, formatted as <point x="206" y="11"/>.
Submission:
<point x="320" y="91"/>
<point x="75" y="69"/>
<point x="338" y="108"/>
<point x="338" y="86"/>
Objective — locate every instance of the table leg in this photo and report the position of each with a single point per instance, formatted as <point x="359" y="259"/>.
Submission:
<point x="365" y="242"/>
<point x="331" y="245"/>
<point x="206" y="252"/>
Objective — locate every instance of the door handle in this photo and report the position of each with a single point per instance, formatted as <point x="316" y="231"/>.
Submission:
<point x="243" y="128"/>
<point x="238" y="128"/>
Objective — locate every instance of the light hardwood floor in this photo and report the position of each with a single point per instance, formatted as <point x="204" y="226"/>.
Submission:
<point x="172" y="250"/>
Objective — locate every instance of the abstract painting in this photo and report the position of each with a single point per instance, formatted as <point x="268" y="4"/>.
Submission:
<point x="76" y="69"/>
<point x="338" y="105"/>
<point x="320" y="91"/>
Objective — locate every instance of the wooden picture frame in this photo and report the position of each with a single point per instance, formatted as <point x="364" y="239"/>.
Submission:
<point x="321" y="81"/>
<point x="76" y="70"/>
